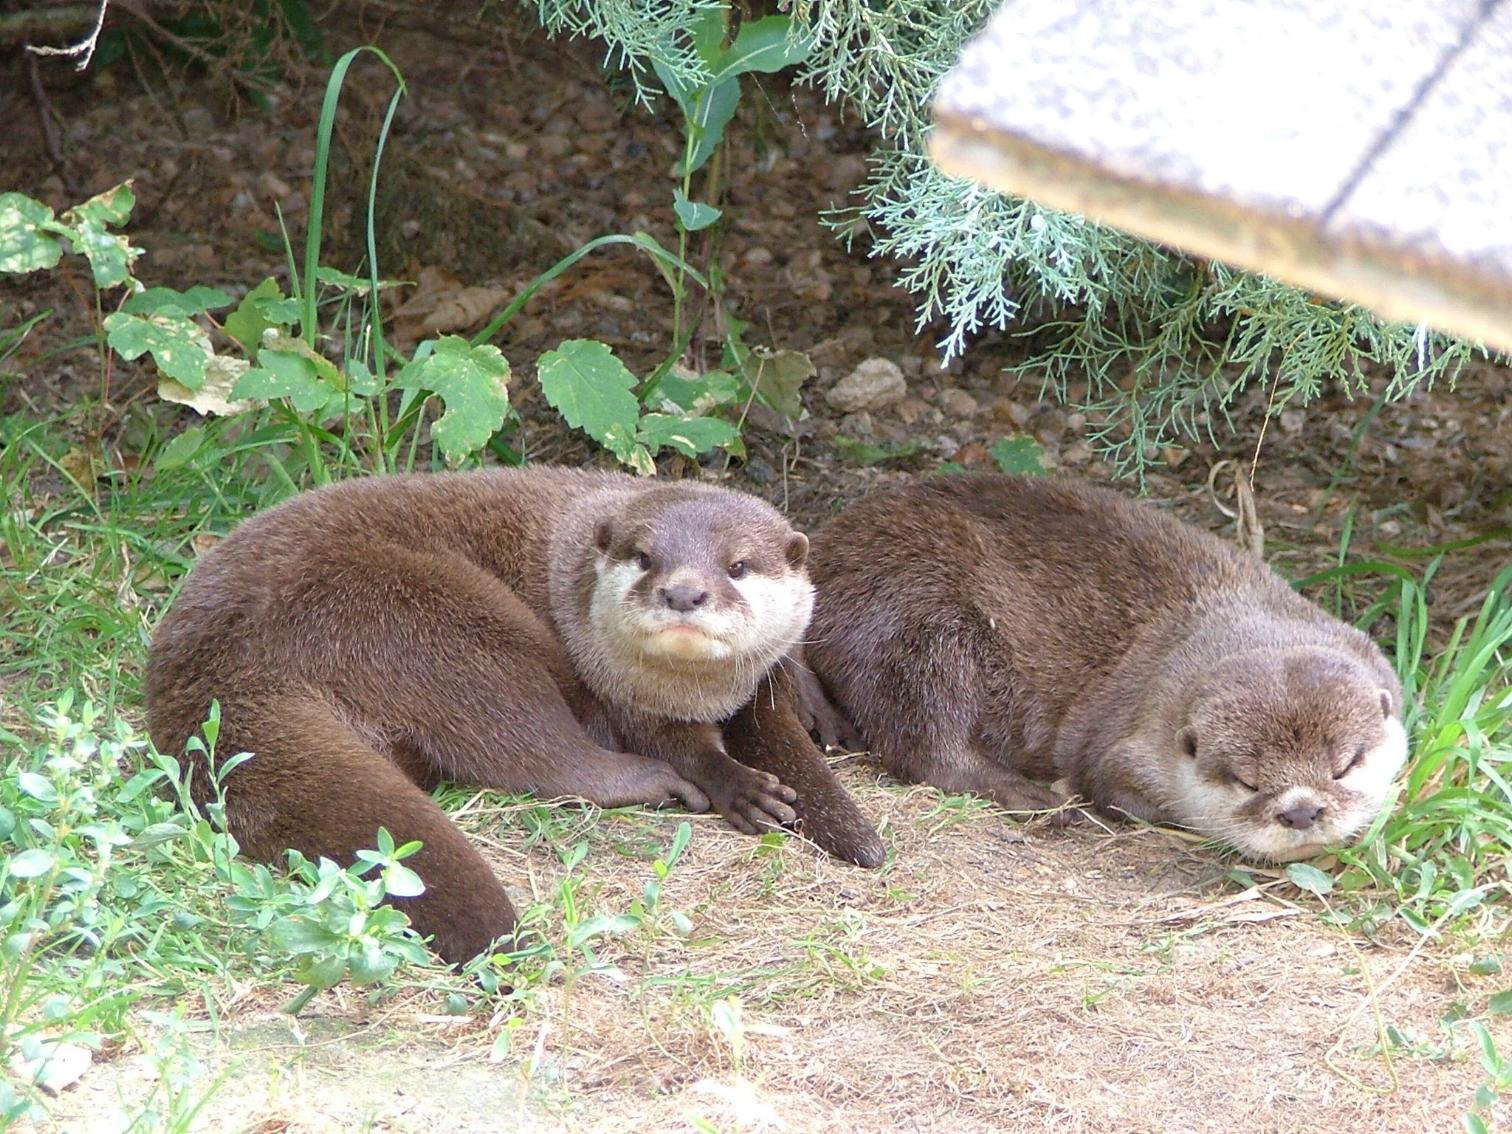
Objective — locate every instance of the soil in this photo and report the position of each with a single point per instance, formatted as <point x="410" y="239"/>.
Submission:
<point x="989" y="977"/>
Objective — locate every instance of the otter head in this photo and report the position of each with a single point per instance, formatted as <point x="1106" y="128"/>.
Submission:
<point x="695" y="595"/>
<point x="1284" y="753"/>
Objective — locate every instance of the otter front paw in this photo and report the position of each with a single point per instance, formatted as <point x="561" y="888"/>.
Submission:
<point x="753" y="801"/>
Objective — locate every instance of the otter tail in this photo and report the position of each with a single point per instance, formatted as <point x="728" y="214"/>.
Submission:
<point x="315" y="784"/>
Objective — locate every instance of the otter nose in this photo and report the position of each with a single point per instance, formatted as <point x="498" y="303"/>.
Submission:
<point x="1299" y="818"/>
<point x="682" y="597"/>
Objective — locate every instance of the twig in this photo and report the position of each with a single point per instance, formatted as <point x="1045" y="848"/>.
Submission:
<point x="199" y="55"/>
<point x="84" y="49"/>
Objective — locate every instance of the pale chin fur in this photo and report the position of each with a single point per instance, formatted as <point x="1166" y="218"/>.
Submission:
<point x="1210" y="809"/>
<point x="747" y="641"/>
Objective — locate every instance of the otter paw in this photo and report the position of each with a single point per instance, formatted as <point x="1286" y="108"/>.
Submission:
<point x="1027" y="796"/>
<point x="753" y="801"/>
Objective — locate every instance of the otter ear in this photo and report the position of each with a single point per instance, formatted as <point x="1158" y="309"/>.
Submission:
<point x="1388" y="703"/>
<point x="797" y="549"/>
<point x="603" y="535"/>
<point x="1187" y="739"/>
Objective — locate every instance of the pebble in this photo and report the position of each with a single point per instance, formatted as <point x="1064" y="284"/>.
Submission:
<point x="876" y="383"/>
<point x="958" y="403"/>
<point x="858" y="424"/>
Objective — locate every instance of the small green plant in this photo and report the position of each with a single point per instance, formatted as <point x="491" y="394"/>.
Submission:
<point x="1442" y="851"/>
<point x="1498" y="1081"/>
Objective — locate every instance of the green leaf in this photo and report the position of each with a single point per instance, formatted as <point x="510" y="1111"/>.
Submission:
<point x="175" y="343"/>
<point x="1488" y="965"/>
<point x="32" y="863"/>
<point x="592" y="389"/>
<point x="402" y="882"/>
<point x="370" y="964"/>
<point x="695" y="215"/>
<point x="473" y="382"/>
<point x="1501" y="1003"/>
<point x="682" y="392"/>
<point x="196" y="301"/>
<point x="690" y="436"/>
<point x="181" y="448"/>
<point x="7" y="822"/>
<point x="37" y="786"/>
<point x="777" y="376"/>
<point x="24" y="246"/>
<point x="763" y="45"/>
<point x="112" y="207"/>
<point x="296" y="934"/>
<point x="867" y="453"/>
<point x="284" y="375"/>
<point x="109" y="254"/>
<point x="250" y="319"/>
<point x="706" y="119"/>
<point x="1019" y="454"/>
<point x="603" y="926"/>
<point x="322" y="972"/>
<point x="1309" y="878"/>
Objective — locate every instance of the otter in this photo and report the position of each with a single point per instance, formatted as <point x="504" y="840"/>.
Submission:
<point x="556" y="631"/>
<point x="992" y="633"/>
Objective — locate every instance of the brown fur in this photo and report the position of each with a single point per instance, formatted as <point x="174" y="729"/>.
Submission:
<point x="370" y="639"/>
<point x="988" y="632"/>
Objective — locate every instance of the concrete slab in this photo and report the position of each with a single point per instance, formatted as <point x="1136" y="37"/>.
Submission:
<point x="1331" y="145"/>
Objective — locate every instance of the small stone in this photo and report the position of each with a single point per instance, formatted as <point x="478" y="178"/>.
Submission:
<point x="857" y="424"/>
<point x="1005" y="409"/>
<point x="957" y="403"/>
<point x="971" y="455"/>
<point x="554" y="146"/>
<point x="758" y="256"/>
<point x="911" y="409"/>
<point x="1174" y="455"/>
<point x="877" y="382"/>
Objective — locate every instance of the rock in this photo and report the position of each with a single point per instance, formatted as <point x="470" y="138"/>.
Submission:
<point x="957" y="404"/>
<point x="877" y="382"/>
<point x="1014" y="413"/>
<point x="971" y="455"/>
<point x="857" y="424"/>
<point x="912" y="409"/>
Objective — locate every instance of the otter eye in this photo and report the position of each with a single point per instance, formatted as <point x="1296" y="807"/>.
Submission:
<point x="738" y="569"/>
<point x="1359" y="758"/>
<point x="1233" y="779"/>
<point x="643" y="561"/>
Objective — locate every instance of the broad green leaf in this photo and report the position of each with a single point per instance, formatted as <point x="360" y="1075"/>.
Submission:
<point x="32" y="863"/>
<point x="690" y="436"/>
<point x="1019" y="454"/>
<point x="707" y="30"/>
<point x="369" y="964"/>
<point x="112" y="207"/>
<point x="301" y="935"/>
<point x="592" y="389"/>
<point x="250" y="319"/>
<point x="181" y="448"/>
<point x="867" y="453"/>
<point x="38" y="786"/>
<point x="214" y="394"/>
<point x="24" y="246"/>
<point x="1501" y="1003"/>
<point x="472" y="381"/>
<point x="284" y="374"/>
<point x="705" y="120"/>
<point x="165" y="300"/>
<point x="1309" y="878"/>
<point x="402" y="882"/>
<point x="7" y="822"/>
<point x="176" y="344"/>
<point x="681" y="391"/>
<point x="109" y="254"/>
<point x="322" y="972"/>
<point x="777" y="376"/>
<point x="763" y="45"/>
<point x="695" y="215"/>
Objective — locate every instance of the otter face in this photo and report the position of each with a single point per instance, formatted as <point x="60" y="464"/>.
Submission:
<point x="1287" y="755"/>
<point x="712" y="587"/>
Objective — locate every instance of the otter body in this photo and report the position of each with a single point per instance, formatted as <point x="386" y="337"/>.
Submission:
<point x="987" y="632"/>
<point x="554" y="631"/>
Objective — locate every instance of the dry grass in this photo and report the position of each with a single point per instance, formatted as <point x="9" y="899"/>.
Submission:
<point x="986" y="978"/>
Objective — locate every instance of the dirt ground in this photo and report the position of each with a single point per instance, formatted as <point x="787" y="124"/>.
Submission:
<point x="988" y="977"/>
